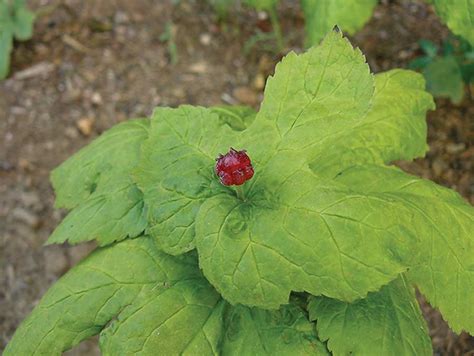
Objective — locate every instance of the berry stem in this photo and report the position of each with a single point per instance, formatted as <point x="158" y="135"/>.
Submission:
<point x="239" y="189"/>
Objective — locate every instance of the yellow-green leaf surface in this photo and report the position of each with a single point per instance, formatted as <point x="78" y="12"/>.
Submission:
<point x="394" y="128"/>
<point x="286" y="331"/>
<point x="458" y="16"/>
<point x="82" y="302"/>
<point x="114" y="153"/>
<point x="114" y="211"/>
<point x="322" y="15"/>
<point x="237" y="117"/>
<point x="176" y="171"/>
<point x="445" y="224"/>
<point x="317" y="236"/>
<point x="387" y="322"/>
<point x="183" y="319"/>
<point x="191" y="319"/>
<point x="311" y="97"/>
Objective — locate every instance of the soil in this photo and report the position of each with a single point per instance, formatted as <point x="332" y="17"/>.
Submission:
<point x="92" y="64"/>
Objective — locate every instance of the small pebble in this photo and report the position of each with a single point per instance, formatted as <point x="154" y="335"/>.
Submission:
<point x="26" y="217"/>
<point x="205" y="39"/>
<point x="453" y="148"/>
<point x="96" y="99"/>
<point x="85" y="125"/>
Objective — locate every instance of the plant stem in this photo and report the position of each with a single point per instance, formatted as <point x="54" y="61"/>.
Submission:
<point x="240" y="192"/>
<point x="276" y="28"/>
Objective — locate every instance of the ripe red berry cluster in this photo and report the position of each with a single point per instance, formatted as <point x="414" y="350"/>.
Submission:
<point x="234" y="168"/>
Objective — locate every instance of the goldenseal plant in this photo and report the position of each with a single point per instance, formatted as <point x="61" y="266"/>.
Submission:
<point x="313" y="244"/>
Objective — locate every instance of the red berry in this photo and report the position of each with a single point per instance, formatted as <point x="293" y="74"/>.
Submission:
<point x="234" y="168"/>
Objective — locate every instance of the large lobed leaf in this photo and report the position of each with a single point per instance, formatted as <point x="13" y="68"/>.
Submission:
<point x="388" y="322"/>
<point x="394" y="128"/>
<point x="322" y="238"/>
<point x="113" y="153"/>
<point x="444" y="223"/>
<point x="286" y="331"/>
<point x="114" y="211"/>
<point x="96" y="183"/>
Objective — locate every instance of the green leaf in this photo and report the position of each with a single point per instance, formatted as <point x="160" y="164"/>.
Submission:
<point x="325" y="90"/>
<point x="458" y="15"/>
<point x="176" y="171"/>
<point x="311" y="99"/>
<point x="322" y="16"/>
<point x="90" y="295"/>
<point x="419" y="62"/>
<point x="184" y="319"/>
<point x="429" y="47"/>
<point x="23" y="23"/>
<point x="388" y="322"/>
<point x="445" y="223"/>
<point x="237" y="117"/>
<point x="114" y="153"/>
<point x="393" y="129"/>
<point x="6" y="45"/>
<point x="259" y="332"/>
<point x="113" y="212"/>
<point x="315" y="236"/>
<point x="444" y="78"/>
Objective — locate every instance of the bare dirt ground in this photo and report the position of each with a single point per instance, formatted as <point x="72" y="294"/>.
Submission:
<point x="92" y="64"/>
